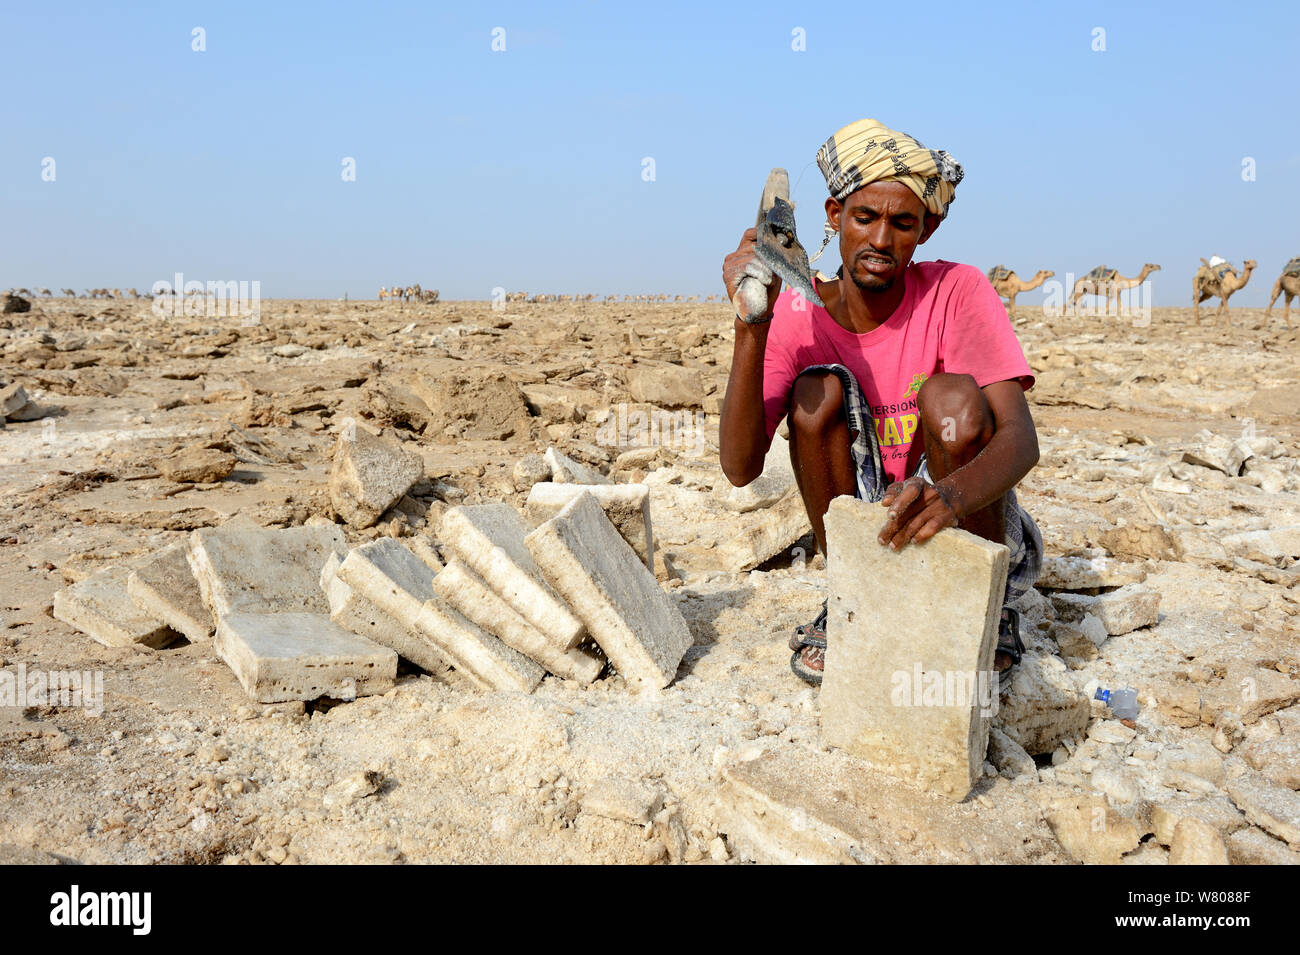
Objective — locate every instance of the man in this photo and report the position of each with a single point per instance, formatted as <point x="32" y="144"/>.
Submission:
<point x="907" y="388"/>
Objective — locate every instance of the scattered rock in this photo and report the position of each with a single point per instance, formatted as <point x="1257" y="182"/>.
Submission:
<point x="665" y="385"/>
<point x="198" y="465"/>
<point x="529" y="470"/>
<point x="1197" y="843"/>
<point x="369" y="475"/>
<point x="625" y="800"/>
<point x="11" y="304"/>
<point x="1273" y="808"/>
<point x="353" y="788"/>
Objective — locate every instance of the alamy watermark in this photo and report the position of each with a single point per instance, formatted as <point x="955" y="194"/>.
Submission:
<point x="82" y="689"/>
<point x="211" y="300"/>
<point x="963" y="689"/>
<point x="656" y="428"/>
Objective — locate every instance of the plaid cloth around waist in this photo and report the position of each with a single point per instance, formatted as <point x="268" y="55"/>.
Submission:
<point x="1022" y="535"/>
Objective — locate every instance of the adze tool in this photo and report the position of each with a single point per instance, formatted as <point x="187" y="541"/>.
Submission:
<point x="778" y="249"/>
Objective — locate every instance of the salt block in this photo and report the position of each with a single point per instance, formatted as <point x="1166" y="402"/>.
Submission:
<point x="626" y="505"/>
<point x="101" y="608"/>
<point x="369" y="475"/>
<point x="392" y="578"/>
<point x="479" y="655"/>
<point x="468" y="593"/>
<point x="279" y="657"/>
<point x="241" y="568"/>
<point x="1120" y="611"/>
<point x="637" y="625"/>
<point x="763" y="534"/>
<point x="164" y="588"/>
<point x="489" y="538"/>
<point x="565" y="470"/>
<point x="909" y="682"/>
<point x="336" y="591"/>
<point x="354" y="612"/>
<point x="351" y="610"/>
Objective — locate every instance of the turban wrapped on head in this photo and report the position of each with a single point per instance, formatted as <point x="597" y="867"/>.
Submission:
<point x="868" y="151"/>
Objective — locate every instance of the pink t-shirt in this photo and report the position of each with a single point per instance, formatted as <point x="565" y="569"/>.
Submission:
<point x="950" y="320"/>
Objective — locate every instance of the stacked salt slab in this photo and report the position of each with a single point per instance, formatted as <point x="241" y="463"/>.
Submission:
<point x="512" y="602"/>
<point x="626" y="505"/>
<point x="386" y="591"/>
<point x="585" y="559"/>
<point x="273" y="629"/>
<point x="101" y="607"/>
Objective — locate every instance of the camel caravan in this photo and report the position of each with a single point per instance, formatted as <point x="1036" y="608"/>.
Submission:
<point x="547" y="299"/>
<point x="409" y="293"/>
<point x="1216" y="278"/>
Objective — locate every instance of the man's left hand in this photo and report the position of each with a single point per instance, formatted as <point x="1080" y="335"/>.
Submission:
<point x="917" y="511"/>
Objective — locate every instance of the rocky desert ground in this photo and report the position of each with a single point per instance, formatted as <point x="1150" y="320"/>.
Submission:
<point x="1168" y="496"/>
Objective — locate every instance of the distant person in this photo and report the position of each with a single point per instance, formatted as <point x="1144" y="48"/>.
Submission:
<point x="908" y="388"/>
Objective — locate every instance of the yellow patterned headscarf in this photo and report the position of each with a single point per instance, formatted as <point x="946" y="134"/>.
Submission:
<point x="868" y="151"/>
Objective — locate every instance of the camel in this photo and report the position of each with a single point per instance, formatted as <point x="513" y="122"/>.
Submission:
<point x="1218" y="281"/>
<point x="1008" y="285"/>
<point x="1092" y="284"/>
<point x="68" y="293"/>
<point x="1288" y="284"/>
<point x="431" y="296"/>
<point x="1119" y="283"/>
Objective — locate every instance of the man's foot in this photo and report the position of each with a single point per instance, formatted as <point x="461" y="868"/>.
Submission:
<point x="809" y="646"/>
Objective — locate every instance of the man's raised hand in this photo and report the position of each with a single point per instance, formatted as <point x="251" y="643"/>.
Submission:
<point x="742" y="263"/>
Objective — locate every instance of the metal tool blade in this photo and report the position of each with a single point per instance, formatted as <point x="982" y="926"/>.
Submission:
<point x="778" y="246"/>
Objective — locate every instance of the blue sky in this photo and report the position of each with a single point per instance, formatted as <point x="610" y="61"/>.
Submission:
<point x="523" y="168"/>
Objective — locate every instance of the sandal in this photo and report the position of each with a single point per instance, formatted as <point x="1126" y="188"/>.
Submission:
<point x="1009" y="643"/>
<point x="809" y="646"/>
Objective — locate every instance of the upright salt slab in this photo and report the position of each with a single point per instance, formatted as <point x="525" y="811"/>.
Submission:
<point x="279" y="657"/>
<point x="468" y="593"/>
<point x="597" y="572"/>
<point x="477" y="654"/>
<point x="241" y="568"/>
<point x="101" y="608"/>
<point x="626" y="505"/>
<point x="164" y="588"/>
<point x="351" y="610"/>
<point x="909" y="682"/>
<point x="489" y="538"/>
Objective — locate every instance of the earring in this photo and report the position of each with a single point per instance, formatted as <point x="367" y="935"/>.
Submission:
<point x="830" y="233"/>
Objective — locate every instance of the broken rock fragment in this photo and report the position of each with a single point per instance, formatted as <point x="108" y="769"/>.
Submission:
<point x="369" y="475"/>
